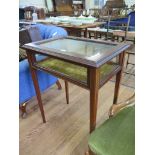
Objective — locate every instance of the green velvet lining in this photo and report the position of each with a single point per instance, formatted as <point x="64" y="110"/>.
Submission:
<point x="22" y="54"/>
<point x="75" y="71"/>
<point x="116" y="136"/>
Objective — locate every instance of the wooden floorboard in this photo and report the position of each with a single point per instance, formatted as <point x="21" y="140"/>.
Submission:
<point x="67" y="128"/>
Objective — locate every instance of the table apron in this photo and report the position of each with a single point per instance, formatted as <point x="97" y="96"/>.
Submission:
<point x="61" y="76"/>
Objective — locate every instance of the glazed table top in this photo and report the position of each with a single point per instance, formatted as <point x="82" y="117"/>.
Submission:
<point x="87" y="52"/>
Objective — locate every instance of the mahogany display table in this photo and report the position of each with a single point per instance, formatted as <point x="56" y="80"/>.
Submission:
<point x="83" y="62"/>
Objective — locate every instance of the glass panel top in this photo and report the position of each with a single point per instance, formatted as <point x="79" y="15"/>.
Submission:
<point x="87" y="49"/>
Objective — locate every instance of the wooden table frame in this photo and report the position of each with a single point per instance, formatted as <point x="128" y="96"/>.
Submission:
<point x="70" y="28"/>
<point x="78" y="29"/>
<point x="93" y="78"/>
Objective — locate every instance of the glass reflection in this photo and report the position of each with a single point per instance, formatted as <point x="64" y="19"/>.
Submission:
<point x="84" y="48"/>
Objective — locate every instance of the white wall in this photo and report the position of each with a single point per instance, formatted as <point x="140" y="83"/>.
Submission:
<point x="129" y="2"/>
<point x="89" y="4"/>
<point x="50" y="5"/>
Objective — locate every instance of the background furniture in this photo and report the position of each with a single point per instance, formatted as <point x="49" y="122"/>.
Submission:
<point x="130" y="53"/>
<point x="66" y="7"/>
<point x="113" y="8"/>
<point x="29" y="10"/>
<point x="101" y="31"/>
<point x="125" y="19"/>
<point x="75" y="30"/>
<point x="127" y="34"/>
<point x="117" y="134"/>
<point x="117" y="27"/>
<point x="121" y="29"/>
<point x="26" y="89"/>
<point x="78" y="4"/>
<point x="62" y="7"/>
<point x="128" y="31"/>
<point x="21" y="13"/>
<point x="86" y="63"/>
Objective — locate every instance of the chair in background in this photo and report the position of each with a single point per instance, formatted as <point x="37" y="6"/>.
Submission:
<point x="130" y="52"/>
<point x="117" y="134"/>
<point x="100" y="32"/>
<point x="122" y="28"/>
<point x="92" y="32"/>
<point x="105" y="31"/>
<point x="126" y="33"/>
<point x="111" y="29"/>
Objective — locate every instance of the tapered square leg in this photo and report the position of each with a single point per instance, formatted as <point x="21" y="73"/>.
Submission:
<point x="31" y="59"/>
<point x="58" y="85"/>
<point x="67" y="91"/>
<point x="94" y="88"/>
<point x="118" y="78"/>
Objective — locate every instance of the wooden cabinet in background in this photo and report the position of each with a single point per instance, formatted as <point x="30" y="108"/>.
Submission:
<point x="67" y="7"/>
<point x="78" y="4"/>
<point x="63" y="7"/>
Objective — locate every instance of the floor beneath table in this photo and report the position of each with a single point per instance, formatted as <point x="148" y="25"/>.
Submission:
<point x="67" y="128"/>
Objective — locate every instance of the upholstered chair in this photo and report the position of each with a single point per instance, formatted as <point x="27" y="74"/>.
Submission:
<point x="26" y="89"/>
<point x="116" y="136"/>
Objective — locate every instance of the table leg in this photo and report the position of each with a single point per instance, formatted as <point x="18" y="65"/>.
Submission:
<point x="85" y="33"/>
<point x="118" y="78"/>
<point x="58" y="85"/>
<point x="95" y="35"/>
<point x="67" y="91"/>
<point x="94" y="88"/>
<point x="22" y="107"/>
<point x="31" y="59"/>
